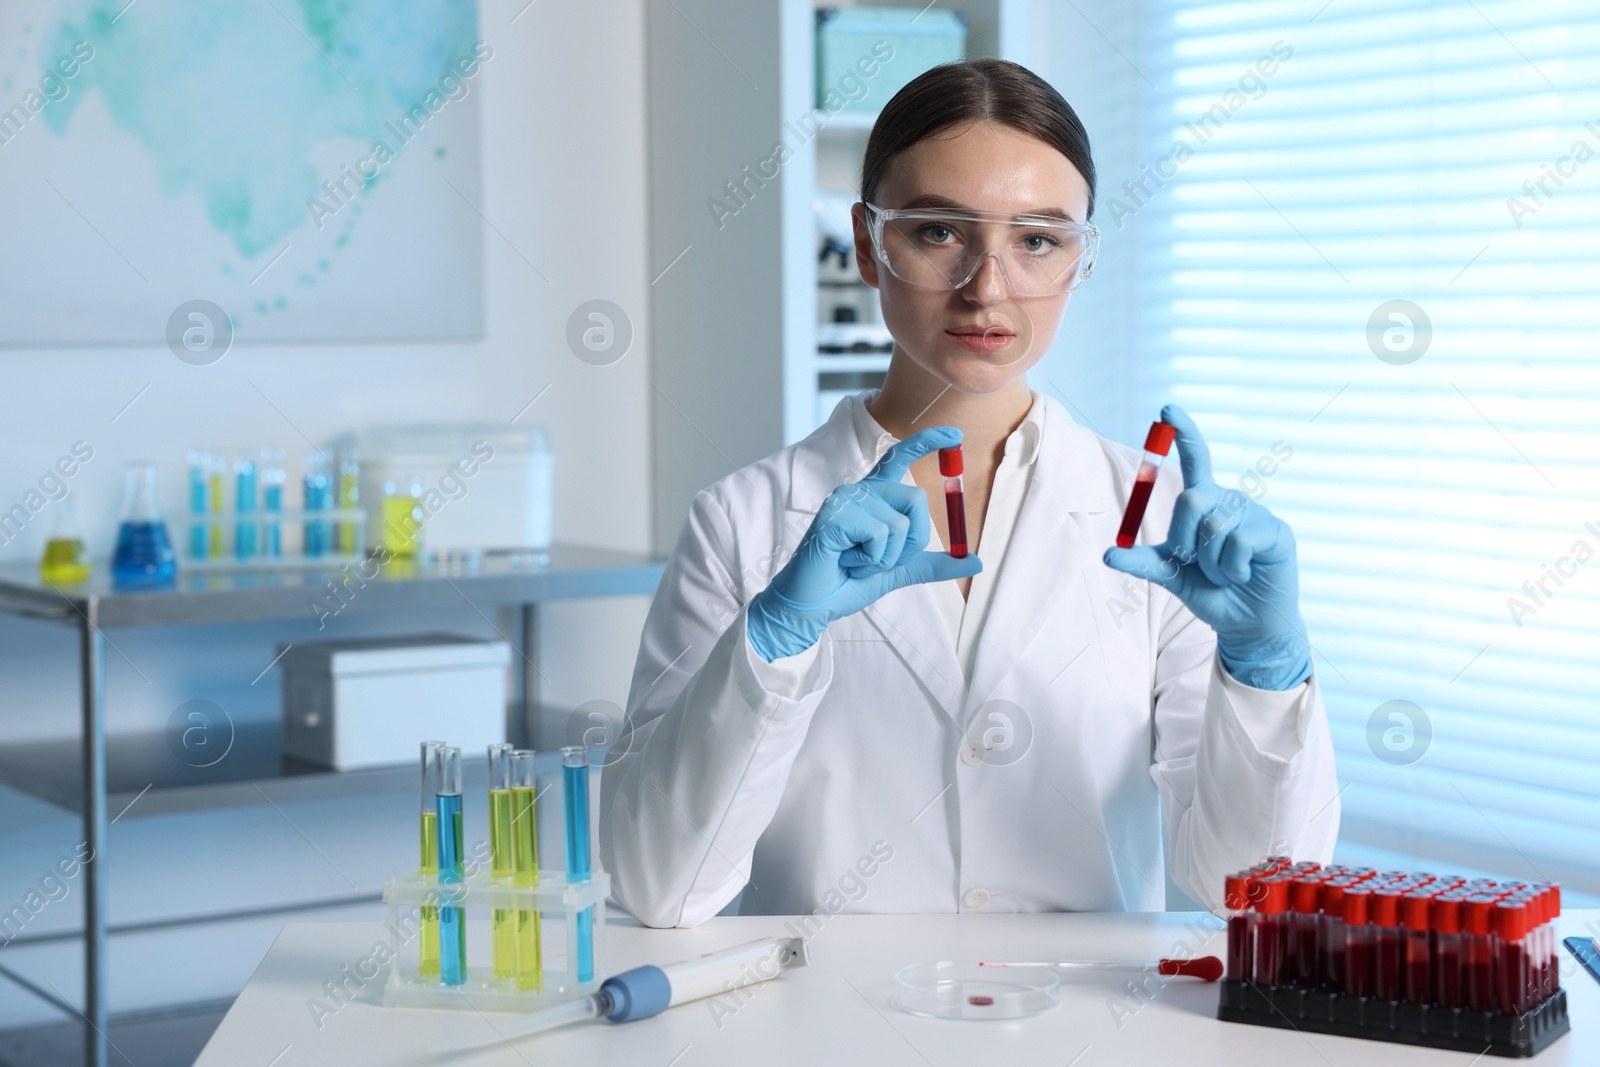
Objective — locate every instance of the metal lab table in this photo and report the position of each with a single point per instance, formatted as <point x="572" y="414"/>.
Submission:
<point x="568" y="572"/>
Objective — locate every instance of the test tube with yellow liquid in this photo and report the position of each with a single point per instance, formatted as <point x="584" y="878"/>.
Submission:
<point x="525" y="866"/>
<point x="502" y="923"/>
<point x="428" y="948"/>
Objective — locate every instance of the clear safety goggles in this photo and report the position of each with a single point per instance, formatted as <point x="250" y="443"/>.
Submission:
<point x="942" y="249"/>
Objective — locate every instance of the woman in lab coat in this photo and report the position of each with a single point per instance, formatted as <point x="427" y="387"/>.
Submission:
<point x="831" y="714"/>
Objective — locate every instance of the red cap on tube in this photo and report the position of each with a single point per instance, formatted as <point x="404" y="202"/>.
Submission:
<point x="1414" y="908"/>
<point x="1475" y="914"/>
<point x="1274" y="896"/>
<point x="1236" y="892"/>
<point x="1159" y="439"/>
<point x="1446" y="917"/>
<point x="1510" y="921"/>
<point x="950" y="461"/>
<point x="1333" y="897"/>
<point x="1355" y="906"/>
<point x="1306" y="893"/>
<point x="1385" y="908"/>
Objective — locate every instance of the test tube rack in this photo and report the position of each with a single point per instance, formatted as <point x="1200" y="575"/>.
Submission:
<point x="1302" y="974"/>
<point x="558" y="903"/>
<point x="290" y="522"/>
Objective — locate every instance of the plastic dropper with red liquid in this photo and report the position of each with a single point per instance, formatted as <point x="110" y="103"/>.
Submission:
<point x="1156" y="445"/>
<point x="955" y="499"/>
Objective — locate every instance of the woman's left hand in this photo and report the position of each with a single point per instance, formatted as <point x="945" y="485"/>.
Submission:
<point x="1232" y="562"/>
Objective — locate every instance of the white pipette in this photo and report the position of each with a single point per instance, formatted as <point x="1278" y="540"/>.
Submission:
<point x="646" y="991"/>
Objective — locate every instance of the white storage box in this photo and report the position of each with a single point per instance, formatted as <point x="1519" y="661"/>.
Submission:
<point x="367" y="703"/>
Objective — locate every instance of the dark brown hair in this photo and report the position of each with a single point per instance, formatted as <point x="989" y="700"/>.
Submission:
<point x="977" y="90"/>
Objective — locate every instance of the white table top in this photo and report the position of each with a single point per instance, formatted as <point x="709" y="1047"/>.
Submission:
<point x="836" y="1011"/>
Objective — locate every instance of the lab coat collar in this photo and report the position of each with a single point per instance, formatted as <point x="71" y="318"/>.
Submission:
<point x="1073" y="476"/>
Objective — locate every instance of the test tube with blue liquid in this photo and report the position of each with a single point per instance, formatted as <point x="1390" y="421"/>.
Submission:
<point x="575" y="797"/>
<point x="318" y="487"/>
<point x="244" y="504"/>
<point x="272" y="479"/>
<point x="452" y="921"/>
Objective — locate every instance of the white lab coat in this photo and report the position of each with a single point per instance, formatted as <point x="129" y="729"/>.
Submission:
<point x="1114" y="715"/>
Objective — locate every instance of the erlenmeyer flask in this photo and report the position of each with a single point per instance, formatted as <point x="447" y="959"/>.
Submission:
<point x="144" y="556"/>
<point x="65" y="559"/>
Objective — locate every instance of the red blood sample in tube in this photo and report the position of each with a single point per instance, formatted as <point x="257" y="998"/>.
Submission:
<point x="1156" y="445"/>
<point x="1241" y="927"/>
<point x="1305" y="895"/>
<point x="1477" y="985"/>
<point x="1333" y="939"/>
<point x="1510" y="927"/>
<point x="1446" y="922"/>
<point x="1271" y="930"/>
<point x="955" y="499"/>
<point x="1385" y="915"/>
<point x="1357" y="942"/>
<point x="1418" y="984"/>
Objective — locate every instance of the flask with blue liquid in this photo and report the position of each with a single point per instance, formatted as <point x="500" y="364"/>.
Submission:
<point x="144" y="556"/>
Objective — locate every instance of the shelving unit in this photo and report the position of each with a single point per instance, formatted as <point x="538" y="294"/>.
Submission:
<point x="734" y="307"/>
<point x="79" y="775"/>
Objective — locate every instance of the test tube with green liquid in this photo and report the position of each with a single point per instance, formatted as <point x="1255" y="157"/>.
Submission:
<point x="428" y="951"/>
<point x="452" y="920"/>
<point x="500" y="858"/>
<point x="525" y="866"/>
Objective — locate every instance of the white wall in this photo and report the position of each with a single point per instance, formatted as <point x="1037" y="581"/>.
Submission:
<point x="564" y="186"/>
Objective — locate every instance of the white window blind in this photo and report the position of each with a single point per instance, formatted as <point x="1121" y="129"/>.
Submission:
<point x="1445" y="497"/>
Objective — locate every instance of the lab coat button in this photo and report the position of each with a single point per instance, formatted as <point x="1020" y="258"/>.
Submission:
<point x="976" y="897"/>
<point x="972" y="752"/>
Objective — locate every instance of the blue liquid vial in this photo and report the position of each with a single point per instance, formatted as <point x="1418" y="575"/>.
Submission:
<point x="143" y="558"/>
<point x="244" y="503"/>
<point x="575" y="797"/>
<point x="452" y="921"/>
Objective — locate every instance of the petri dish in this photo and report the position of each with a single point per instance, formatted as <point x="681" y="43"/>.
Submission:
<point x="961" y="989"/>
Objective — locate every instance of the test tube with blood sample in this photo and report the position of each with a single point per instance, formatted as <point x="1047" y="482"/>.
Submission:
<point x="1241" y="926"/>
<point x="1357" y="941"/>
<point x="1385" y="916"/>
<point x="1272" y="930"/>
<point x="1157" y="443"/>
<point x="1445" y="919"/>
<point x="1476" y="952"/>
<point x="955" y="499"/>
<point x="1417" y="986"/>
<point x="1305" y="895"/>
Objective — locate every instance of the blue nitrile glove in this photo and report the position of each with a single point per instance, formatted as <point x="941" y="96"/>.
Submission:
<point x="1232" y="562"/>
<point x="865" y="541"/>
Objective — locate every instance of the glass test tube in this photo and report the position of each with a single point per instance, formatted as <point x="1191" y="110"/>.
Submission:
<point x="1510" y="926"/>
<point x="1357" y="941"/>
<point x="199" y="490"/>
<point x="1385" y="916"/>
<point x="452" y="924"/>
<point x="525" y="865"/>
<point x="1477" y="961"/>
<point x="244" y="503"/>
<point x="428" y="949"/>
<point x="1331" y="972"/>
<point x="272" y="479"/>
<point x="500" y="857"/>
<point x="1156" y="445"/>
<point x="1241" y="926"/>
<point x="318" y="491"/>
<point x="575" y="795"/>
<point x="955" y="499"/>
<point x="216" y="480"/>
<point x="1417" y="965"/>
<point x="347" y="498"/>
<point x="1272" y="930"/>
<point x="1445" y="919"/>
<point x="1305" y="897"/>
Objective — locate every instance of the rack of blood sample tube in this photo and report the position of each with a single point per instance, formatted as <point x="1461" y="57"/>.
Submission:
<point x="1416" y="958"/>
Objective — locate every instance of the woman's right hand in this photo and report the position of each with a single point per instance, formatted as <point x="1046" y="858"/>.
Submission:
<point x="866" y="540"/>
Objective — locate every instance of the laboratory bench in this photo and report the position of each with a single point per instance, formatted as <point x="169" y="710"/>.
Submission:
<point x="837" y="1008"/>
<point x="75" y="774"/>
